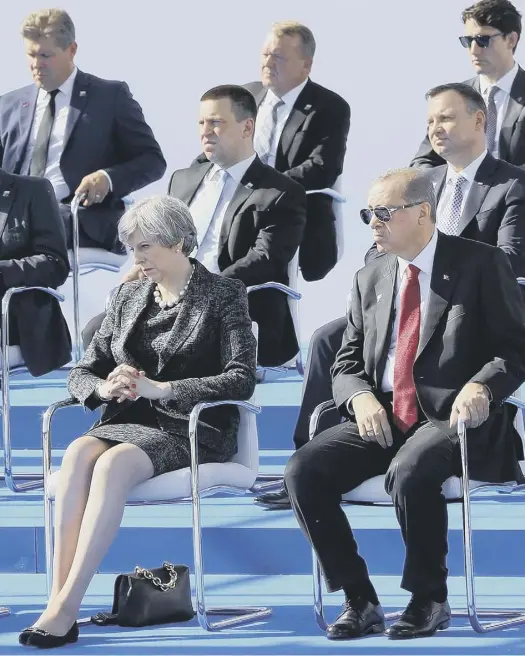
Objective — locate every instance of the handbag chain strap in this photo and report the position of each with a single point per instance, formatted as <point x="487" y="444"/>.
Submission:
<point x="146" y="573"/>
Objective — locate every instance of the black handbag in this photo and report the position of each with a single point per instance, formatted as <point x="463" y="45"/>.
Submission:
<point x="146" y="597"/>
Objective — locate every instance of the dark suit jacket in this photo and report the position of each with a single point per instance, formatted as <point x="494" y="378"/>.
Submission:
<point x="312" y="151"/>
<point x="474" y="331"/>
<point x="512" y="135"/>
<point x="210" y="356"/>
<point x="33" y="254"/>
<point x="261" y="231"/>
<point x="495" y="209"/>
<point x="105" y="130"/>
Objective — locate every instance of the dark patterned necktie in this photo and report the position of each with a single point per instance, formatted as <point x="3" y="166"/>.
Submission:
<point x="39" y="158"/>
<point x="492" y="119"/>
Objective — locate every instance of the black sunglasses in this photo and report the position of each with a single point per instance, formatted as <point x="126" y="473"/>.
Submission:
<point x="383" y="213"/>
<point x="483" y="40"/>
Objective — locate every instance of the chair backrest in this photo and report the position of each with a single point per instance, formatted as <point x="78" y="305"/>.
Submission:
<point x="247" y="441"/>
<point x="337" y="202"/>
<point x="293" y="304"/>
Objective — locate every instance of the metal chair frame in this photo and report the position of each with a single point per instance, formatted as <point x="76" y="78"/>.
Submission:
<point x="31" y="481"/>
<point x="239" y="615"/>
<point x="505" y="618"/>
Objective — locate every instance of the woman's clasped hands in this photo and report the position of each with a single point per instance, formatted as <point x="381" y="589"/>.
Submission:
<point x="127" y="383"/>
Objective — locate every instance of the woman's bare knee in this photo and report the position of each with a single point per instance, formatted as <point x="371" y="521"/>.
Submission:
<point x="83" y="453"/>
<point x="123" y="466"/>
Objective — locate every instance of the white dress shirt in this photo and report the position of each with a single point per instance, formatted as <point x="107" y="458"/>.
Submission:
<point x="501" y="99"/>
<point x="283" y="112"/>
<point x="469" y="173"/>
<point x="208" y="250"/>
<point x="424" y="262"/>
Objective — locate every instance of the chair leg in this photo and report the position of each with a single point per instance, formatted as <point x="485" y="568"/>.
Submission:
<point x="239" y="615"/>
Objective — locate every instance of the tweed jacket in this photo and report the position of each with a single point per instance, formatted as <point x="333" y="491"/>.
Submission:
<point x="209" y="356"/>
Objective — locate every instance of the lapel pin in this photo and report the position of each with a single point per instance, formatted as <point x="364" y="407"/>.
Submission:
<point x="25" y="104"/>
<point x="249" y="185"/>
<point x="82" y="93"/>
<point x="308" y="107"/>
<point x="520" y="99"/>
<point x="379" y="297"/>
<point x="6" y="193"/>
<point x="446" y="276"/>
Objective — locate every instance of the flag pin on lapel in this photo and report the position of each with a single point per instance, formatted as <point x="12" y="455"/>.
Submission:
<point x="6" y="193"/>
<point x="446" y="276"/>
<point x="82" y="93"/>
<point x="249" y="185"/>
<point x="308" y="107"/>
<point x="25" y="104"/>
<point x="379" y="297"/>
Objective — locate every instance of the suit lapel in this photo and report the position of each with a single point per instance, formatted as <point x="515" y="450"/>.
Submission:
<point x="385" y="294"/>
<point x="244" y="190"/>
<point x="7" y="198"/>
<point x="442" y="285"/>
<point x="302" y="107"/>
<point x="79" y="98"/>
<point x="514" y="109"/>
<point x="260" y="95"/>
<point x="25" y="121"/>
<point x="478" y="190"/>
<point x="191" y="310"/>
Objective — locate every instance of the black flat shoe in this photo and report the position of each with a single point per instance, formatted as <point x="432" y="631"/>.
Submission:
<point x="35" y="637"/>
<point x="422" y="618"/>
<point x="359" y="618"/>
<point x="274" y="500"/>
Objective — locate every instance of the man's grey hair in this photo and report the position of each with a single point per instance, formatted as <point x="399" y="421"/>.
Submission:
<point x="417" y="186"/>
<point x="293" y="28"/>
<point x="47" y="24"/>
<point x="164" y="220"/>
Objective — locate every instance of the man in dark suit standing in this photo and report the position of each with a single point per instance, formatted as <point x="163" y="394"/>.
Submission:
<point x="480" y="197"/>
<point x="33" y="253"/>
<point x="436" y="331"/>
<point x="86" y="135"/>
<point x="492" y="32"/>
<point x="301" y="130"/>
<point x="249" y="217"/>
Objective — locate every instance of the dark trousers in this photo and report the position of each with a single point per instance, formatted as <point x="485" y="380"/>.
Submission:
<point x="317" y="385"/>
<point x="337" y="461"/>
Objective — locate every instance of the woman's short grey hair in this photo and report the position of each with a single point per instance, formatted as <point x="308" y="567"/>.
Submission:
<point x="417" y="186"/>
<point x="47" y="24"/>
<point x="162" y="219"/>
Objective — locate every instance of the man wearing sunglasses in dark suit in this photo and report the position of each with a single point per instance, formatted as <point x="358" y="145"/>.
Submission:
<point x="435" y="331"/>
<point x="492" y="32"/>
<point x="480" y="197"/>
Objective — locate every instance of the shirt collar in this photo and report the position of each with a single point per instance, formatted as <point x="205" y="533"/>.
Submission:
<point x="469" y="172"/>
<point x="237" y="171"/>
<point x="67" y="87"/>
<point x="504" y="83"/>
<point x="289" y="98"/>
<point x="424" y="260"/>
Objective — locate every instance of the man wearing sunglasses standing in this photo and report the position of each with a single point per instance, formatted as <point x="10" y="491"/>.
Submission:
<point x="492" y="32"/>
<point x="436" y="331"/>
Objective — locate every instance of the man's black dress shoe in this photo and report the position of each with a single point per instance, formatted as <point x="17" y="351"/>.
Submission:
<point x="274" y="500"/>
<point x="422" y="617"/>
<point x="359" y="618"/>
<point x="35" y="637"/>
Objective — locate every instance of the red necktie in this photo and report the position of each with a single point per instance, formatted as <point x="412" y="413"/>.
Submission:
<point x="405" y="400"/>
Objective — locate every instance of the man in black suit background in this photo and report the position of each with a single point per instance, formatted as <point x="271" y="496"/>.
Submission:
<point x="436" y="331"/>
<point x="491" y="34"/>
<point x="249" y="217"/>
<point x="487" y="205"/>
<point x="301" y="130"/>
<point x="86" y="135"/>
<point x="33" y="253"/>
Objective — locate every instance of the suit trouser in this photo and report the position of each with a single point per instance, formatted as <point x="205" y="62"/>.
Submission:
<point x="416" y="465"/>
<point x="317" y="385"/>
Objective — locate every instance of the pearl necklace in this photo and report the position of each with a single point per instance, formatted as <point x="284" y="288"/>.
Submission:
<point x="164" y="304"/>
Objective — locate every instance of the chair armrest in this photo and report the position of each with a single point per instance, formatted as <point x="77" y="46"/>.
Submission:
<point x="316" y="416"/>
<point x="521" y="281"/>
<point x="275" y="285"/>
<point x="194" y="446"/>
<point x="513" y="400"/>
<point x="46" y="431"/>
<point x="335" y="195"/>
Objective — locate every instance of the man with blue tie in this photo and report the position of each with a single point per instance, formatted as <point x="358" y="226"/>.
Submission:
<point x="86" y="135"/>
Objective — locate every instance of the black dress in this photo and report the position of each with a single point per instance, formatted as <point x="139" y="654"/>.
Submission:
<point x="137" y="424"/>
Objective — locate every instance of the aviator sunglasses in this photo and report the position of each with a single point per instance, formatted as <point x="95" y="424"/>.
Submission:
<point x="483" y="40"/>
<point x="383" y="213"/>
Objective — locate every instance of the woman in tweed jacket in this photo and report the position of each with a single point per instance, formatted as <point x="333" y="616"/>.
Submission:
<point x="179" y="336"/>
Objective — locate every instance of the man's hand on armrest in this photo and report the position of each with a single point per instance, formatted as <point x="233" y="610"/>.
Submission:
<point x="371" y="419"/>
<point x="472" y="405"/>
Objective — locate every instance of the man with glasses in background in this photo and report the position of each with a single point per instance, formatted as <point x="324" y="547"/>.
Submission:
<point x="435" y="332"/>
<point x="492" y="32"/>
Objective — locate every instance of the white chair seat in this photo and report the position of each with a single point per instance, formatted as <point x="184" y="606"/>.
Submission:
<point x="373" y="490"/>
<point x="177" y="484"/>
<point x="98" y="256"/>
